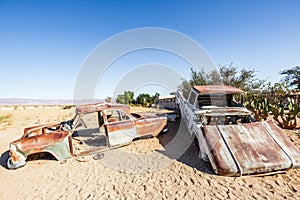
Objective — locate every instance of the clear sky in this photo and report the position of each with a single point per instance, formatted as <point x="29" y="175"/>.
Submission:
<point x="44" y="43"/>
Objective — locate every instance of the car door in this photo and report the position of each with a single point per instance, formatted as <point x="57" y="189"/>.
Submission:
<point x="120" y="127"/>
<point x="89" y="131"/>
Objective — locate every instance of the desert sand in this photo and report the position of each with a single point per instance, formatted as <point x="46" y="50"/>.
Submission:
<point x="166" y="167"/>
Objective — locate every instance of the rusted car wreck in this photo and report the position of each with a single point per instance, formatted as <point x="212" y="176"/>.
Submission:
<point x="230" y="138"/>
<point x="99" y="126"/>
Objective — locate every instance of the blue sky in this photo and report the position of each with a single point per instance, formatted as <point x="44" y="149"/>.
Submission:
<point x="44" y="43"/>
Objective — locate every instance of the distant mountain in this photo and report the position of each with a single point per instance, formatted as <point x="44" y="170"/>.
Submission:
<point x="18" y="101"/>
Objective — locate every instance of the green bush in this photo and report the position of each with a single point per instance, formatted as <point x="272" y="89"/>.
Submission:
<point x="284" y="109"/>
<point x="260" y="106"/>
<point x="286" y="112"/>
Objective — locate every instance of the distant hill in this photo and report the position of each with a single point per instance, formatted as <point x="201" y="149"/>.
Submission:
<point x="23" y="102"/>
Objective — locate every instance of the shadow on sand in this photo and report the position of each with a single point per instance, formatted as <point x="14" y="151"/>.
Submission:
<point x="3" y="159"/>
<point x="175" y="139"/>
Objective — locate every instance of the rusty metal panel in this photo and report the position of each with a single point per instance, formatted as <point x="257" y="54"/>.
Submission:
<point x="56" y="143"/>
<point x="121" y="132"/>
<point x="249" y="148"/>
<point x="38" y="130"/>
<point x="218" y="89"/>
<point x="39" y="142"/>
<point x="89" y="108"/>
<point x="221" y="111"/>
<point x="285" y="143"/>
<point x="119" y="126"/>
<point x="218" y="153"/>
<point x="151" y="126"/>
<point x="38" y="127"/>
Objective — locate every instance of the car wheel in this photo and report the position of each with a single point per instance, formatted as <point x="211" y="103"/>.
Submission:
<point x="98" y="156"/>
<point x="11" y="165"/>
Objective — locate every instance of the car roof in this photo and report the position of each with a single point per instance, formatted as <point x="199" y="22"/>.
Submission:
<point x="209" y="89"/>
<point x="89" y="108"/>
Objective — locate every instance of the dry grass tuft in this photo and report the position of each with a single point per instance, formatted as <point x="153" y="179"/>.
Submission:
<point x="5" y="118"/>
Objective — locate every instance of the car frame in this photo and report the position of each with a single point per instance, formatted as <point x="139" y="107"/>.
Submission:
<point x="230" y="138"/>
<point x="114" y="122"/>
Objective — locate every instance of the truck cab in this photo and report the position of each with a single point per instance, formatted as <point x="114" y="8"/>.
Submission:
<point x="211" y="105"/>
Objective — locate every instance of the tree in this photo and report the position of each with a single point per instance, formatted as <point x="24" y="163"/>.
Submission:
<point x="185" y="87"/>
<point x="156" y="95"/>
<point x="143" y="99"/>
<point x="108" y="99"/>
<point x="197" y="78"/>
<point x="120" y="99"/>
<point x="292" y="76"/>
<point x="243" y="79"/>
<point x="227" y="75"/>
<point x="215" y="78"/>
<point x="126" y="98"/>
<point x="200" y="78"/>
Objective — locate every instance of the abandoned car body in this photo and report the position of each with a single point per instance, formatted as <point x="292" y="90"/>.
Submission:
<point x="230" y="138"/>
<point x="113" y="122"/>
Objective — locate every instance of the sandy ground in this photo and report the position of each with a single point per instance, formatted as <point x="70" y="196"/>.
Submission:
<point x="166" y="167"/>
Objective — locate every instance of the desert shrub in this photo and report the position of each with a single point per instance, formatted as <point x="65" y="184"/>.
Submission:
<point x="5" y="118"/>
<point x="286" y="112"/>
<point x="68" y="107"/>
<point x="282" y="106"/>
<point x="259" y="106"/>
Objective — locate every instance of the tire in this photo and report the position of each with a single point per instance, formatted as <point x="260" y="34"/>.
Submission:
<point x="10" y="165"/>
